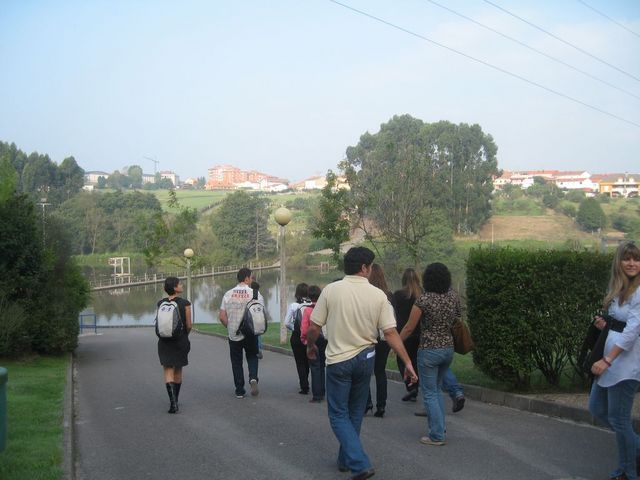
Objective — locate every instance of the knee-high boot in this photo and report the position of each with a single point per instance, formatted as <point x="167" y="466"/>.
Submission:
<point x="173" y="406"/>
<point x="176" y="390"/>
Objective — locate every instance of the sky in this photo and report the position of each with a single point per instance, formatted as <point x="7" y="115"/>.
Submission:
<point x="285" y="86"/>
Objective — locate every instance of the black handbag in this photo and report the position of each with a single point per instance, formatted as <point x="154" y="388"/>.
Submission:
<point x="593" y="346"/>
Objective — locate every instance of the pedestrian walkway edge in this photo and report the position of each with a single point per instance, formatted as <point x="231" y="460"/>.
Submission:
<point x="68" y="422"/>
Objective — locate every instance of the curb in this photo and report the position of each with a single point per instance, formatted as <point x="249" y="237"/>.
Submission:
<point x="487" y="395"/>
<point x="68" y="423"/>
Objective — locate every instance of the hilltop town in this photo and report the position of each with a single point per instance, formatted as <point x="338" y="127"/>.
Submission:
<point x="228" y="177"/>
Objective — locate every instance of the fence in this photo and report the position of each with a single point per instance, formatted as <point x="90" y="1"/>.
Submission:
<point x="105" y="283"/>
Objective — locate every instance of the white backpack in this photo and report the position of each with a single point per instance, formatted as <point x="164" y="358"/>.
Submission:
<point x="254" y="319"/>
<point x="168" y="321"/>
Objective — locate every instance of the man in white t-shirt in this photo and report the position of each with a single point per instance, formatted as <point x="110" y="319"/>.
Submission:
<point x="231" y="312"/>
<point x="352" y="310"/>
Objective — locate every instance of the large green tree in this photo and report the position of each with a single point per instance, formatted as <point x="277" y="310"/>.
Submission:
<point x="591" y="217"/>
<point x="240" y="226"/>
<point x="411" y="174"/>
<point x="331" y="221"/>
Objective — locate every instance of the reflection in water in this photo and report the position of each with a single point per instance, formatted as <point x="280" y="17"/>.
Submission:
<point x="131" y="306"/>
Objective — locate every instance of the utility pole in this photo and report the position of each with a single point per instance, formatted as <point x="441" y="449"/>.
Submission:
<point x="44" y="204"/>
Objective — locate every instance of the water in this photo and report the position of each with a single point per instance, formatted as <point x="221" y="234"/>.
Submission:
<point x="136" y="306"/>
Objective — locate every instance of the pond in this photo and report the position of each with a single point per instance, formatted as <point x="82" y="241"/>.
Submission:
<point x="136" y="306"/>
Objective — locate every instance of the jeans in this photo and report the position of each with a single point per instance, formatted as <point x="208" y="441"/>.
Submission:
<point x="302" y="363"/>
<point x="318" y="370"/>
<point x="612" y="406"/>
<point x="250" y="347"/>
<point x="433" y="363"/>
<point x="347" y="390"/>
<point x="451" y="385"/>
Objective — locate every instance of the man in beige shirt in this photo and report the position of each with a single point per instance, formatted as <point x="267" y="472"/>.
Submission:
<point x="352" y="310"/>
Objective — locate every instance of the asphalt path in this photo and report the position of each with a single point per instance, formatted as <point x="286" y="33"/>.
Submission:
<point x="123" y="430"/>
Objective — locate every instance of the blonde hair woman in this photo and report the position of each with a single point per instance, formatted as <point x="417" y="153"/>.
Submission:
<point x="618" y="372"/>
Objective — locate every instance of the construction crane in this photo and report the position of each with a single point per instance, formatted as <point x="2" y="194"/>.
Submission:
<point x="155" y="164"/>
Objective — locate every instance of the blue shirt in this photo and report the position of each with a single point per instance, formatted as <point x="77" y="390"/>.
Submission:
<point x="626" y="366"/>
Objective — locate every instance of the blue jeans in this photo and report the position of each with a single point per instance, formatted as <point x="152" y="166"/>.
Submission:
<point x="250" y="347"/>
<point x="347" y="390"/>
<point x="317" y="369"/>
<point x="451" y="385"/>
<point x="612" y="406"/>
<point x="432" y="366"/>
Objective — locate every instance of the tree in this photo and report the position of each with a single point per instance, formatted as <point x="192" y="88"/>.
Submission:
<point x="590" y="216"/>
<point x="410" y="169"/>
<point x="240" y="225"/>
<point x="331" y="222"/>
<point x="135" y="174"/>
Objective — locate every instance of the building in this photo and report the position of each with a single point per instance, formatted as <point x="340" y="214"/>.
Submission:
<point x="230" y="177"/>
<point x="619" y="185"/>
<point x="91" y="178"/>
<point x="175" y="179"/>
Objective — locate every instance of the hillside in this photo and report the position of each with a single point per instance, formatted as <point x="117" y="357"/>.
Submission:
<point x="553" y="227"/>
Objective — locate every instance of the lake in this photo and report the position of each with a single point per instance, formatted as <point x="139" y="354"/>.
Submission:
<point x="136" y="306"/>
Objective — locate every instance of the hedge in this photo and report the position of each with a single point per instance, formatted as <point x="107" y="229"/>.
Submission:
<point x="530" y="310"/>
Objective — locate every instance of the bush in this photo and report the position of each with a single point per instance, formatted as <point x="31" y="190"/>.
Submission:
<point x="530" y="310"/>
<point x="14" y="338"/>
<point x="590" y="216"/>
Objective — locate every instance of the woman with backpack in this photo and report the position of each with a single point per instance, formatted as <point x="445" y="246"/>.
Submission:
<point x="317" y="365"/>
<point x="174" y="351"/>
<point x="292" y="321"/>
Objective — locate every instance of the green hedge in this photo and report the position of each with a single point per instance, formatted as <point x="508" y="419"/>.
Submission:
<point x="529" y="310"/>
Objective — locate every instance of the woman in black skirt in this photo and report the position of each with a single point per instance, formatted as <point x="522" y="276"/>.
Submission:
<point x="174" y="352"/>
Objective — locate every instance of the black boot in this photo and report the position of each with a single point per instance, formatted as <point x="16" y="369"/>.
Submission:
<point x="173" y="406"/>
<point x="176" y="390"/>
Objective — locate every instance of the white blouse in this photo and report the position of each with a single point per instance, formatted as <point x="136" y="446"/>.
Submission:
<point x="626" y="366"/>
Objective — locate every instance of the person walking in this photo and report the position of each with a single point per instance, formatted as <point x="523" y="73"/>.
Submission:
<point x="231" y="312"/>
<point x="317" y="365"/>
<point x="437" y="309"/>
<point x="402" y="301"/>
<point x="353" y="311"/>
<point x="174" y="352"/>
<point x="378" y="280"/>
<point x="618" y="372"/>
<point x="299" y="350"/>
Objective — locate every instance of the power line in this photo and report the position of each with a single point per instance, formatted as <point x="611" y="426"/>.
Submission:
<point x="502" y="70"/>
<point x="609" y="18"/>
<point x="540" y="52"/>
<point x="562" y="40"/>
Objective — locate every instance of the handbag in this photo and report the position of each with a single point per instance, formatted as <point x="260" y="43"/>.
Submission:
<point x="462" y="341"/>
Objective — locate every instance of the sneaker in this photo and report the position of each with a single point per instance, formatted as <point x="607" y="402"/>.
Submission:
<point x="420" y="413"/>
<point x="458" y="404"/>
<point x="428" y="441"/>
<point x="239" y="395"/>
<point x="253" y="383"/>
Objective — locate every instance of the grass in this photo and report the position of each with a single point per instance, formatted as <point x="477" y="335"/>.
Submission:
<point x="197" y="199"/>
<point x="35" y="396"/>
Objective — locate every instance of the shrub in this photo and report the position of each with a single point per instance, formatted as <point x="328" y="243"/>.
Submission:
<point x="590" y="216"/>
<point x="530" y="310"/>
<point x="14" y="339"/>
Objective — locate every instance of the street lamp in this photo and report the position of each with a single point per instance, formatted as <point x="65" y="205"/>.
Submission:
<point x="283" y="217"/>
<point x="188" y="253"/>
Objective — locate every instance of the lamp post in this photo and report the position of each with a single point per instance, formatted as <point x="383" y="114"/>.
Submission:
<point x="283" y="217"/>
<point x="188" y="253"/>
<point x="43" y="203"/>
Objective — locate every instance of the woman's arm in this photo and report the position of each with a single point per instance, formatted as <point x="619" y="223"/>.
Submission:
<point x="187" y="317"/>
<point x="408" y="329"/>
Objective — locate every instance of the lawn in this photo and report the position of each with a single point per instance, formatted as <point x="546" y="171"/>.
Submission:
<point x="35" y="396"/>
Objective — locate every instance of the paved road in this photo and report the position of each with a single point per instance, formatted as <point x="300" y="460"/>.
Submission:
<point x="123" y="431"/>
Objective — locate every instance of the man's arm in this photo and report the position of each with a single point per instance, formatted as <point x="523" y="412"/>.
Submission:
<point x="395" y="342"/>
<point x="223" y="317"/>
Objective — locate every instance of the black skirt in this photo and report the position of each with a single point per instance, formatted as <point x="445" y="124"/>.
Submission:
<point x="174" y="352"/>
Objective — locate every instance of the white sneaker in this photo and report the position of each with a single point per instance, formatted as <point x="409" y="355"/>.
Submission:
<point x="253" y="383"/>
